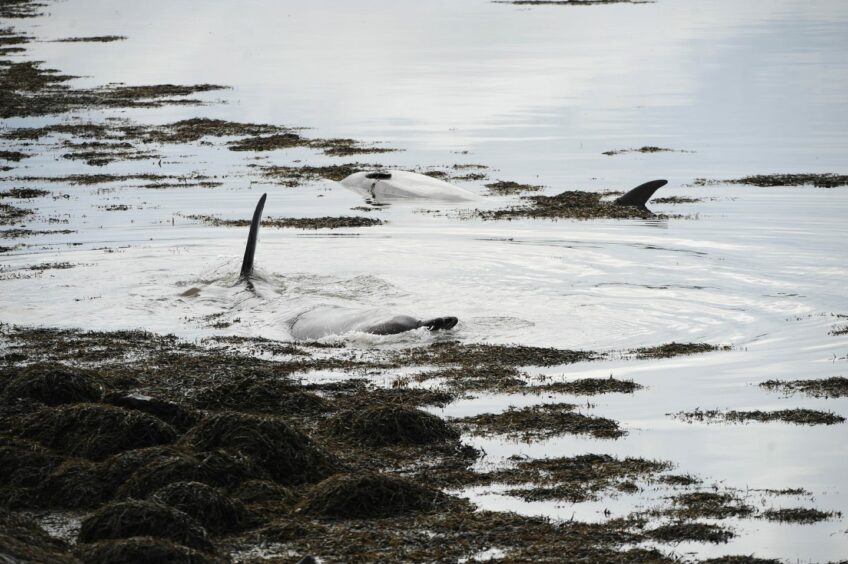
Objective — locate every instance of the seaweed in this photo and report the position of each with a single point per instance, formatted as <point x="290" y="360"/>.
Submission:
<point x="575" y="479"/>
<point x="292" y="176"/>
<point x="454" y="352"/>
<point x="802" y="515"/>
<point x="676" y="200"/>
<point x="250" y="394"/>
<point x="370" y="496"/>
<point x="23" y="540"/>
<point x="25" y="464"/>
<point x="173" y="414"/>
<point x="95" y="431"/>
<point x="382" y="425"/>
<point x="217" y="512"/>
<point x="263" y="492"/>
<point x="286" y="454"/>
<point x="645" y="149"/>
<point x="702" y="532"/>
<point x="835" y="387"/>
<point x="341" y="222"/>
<point x="713" y="505"/>
<point x="669" y="350"/>
<point x="507" y="187"/>
<point x="136" y="518"/>
<point x="52" y="384"/>
<point x="93" y="39"/>
<point x="541" y="422"/>
<point x="589" y="387"/>
<point x="826" y="180"/>
<point x="796" y="416"/>
<point x="330" y="147"/>
<point x="219" y="468"/>
<point x="141" y="550"/>
<point x="23" y="193"/>
<point x="568" y="205"/>
<point x="10" y="214"/>
<point x="15" y="156"/>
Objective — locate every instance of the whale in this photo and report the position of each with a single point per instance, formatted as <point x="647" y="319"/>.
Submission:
<point x="328" y="320"/>
<point x="638" y="197"/>
<point x="399" y="185"/>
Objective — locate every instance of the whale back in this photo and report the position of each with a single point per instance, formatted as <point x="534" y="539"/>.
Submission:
<point x="252" y="237"/>
<point x="399" y="185"/>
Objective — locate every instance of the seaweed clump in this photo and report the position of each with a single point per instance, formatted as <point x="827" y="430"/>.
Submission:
<point x="92" y="39"/>
<point x="260" y="396"/>
<point x="644" y="149"/>
<point x="96" y="431"/>
<point x="590" y="386"/>
<point x="23" y="540"/>
<point x="506" y="187"/>
<point x="575" y="479"/>
<point x="835" y="387"/>
<point x="712" y="505"/>
<point x="542" y="421"/>
<point x="326" y="222"/>
<point x="702" y="532"/>
<point x="669" y="350"/>
<point x="801" y="515"/>
<point x="136" y="518"/>
<point x="53" y="384"/>
<point x="826" y="180"/>
<point x="218" y="513"/>
<point x="140" y="549"/>
<point x="384" y="425"/>
<point x="147" y="472"/>
<point x="292" y="176"/>
<point x="286" y="454"/>
<point x="370" y="496"/>
<point x="569" y="205"/>
<point x="796" y="416"/>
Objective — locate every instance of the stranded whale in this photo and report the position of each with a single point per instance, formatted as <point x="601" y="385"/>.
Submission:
<point x="402" y="185"/>
<point x="391" y="185"/>
<point x="323" y="321"/>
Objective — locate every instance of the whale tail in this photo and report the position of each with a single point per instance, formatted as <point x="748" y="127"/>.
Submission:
<point x="640" y="195"/>
<point x="250" y="249"/>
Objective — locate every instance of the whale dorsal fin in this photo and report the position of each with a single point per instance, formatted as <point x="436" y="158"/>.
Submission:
<point x="640" y="195"/>
<point x="250" y="250"/>
<point x="379" y="175"/>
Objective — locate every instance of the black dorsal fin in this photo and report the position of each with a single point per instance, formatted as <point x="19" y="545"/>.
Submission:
<point x="250" y="250"/>
<point x="640" y="195"/>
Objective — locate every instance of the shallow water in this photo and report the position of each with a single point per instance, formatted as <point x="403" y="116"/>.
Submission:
<point x="536" y="94"/>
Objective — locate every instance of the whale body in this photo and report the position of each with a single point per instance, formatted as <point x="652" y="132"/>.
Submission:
<point x="324" y="321"/>
<point x="403" y="185"/>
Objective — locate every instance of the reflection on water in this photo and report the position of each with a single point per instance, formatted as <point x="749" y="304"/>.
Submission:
<point x="537" y="95"/>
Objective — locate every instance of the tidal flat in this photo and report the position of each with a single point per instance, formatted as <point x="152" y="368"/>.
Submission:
<point x="624" y="384"/>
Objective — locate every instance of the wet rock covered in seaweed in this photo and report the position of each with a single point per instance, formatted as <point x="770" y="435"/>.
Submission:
<point x="210" y="506"/>
<point x="52" y="384"/>
<point x="95" y="431"/>
<point x="370" y="496"/>
<point x="136" y="518"/>
<point x="289" y="456"/>
<point x="141" y="550"/>
<point x="384" y="425"/>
